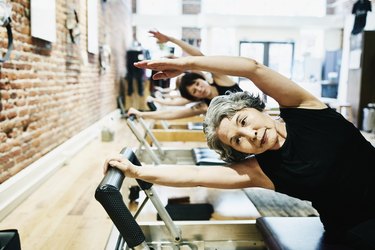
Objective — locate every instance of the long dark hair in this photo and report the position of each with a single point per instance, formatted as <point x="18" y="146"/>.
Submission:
<point x="187" y="80"/>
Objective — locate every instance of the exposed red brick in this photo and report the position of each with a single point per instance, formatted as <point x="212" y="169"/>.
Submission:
<point x="47" y="94"/>
<point x="3" y="137"/>
<point x="11" y="115"/>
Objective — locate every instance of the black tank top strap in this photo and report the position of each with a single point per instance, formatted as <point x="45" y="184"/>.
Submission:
<point x="224" y="90"/>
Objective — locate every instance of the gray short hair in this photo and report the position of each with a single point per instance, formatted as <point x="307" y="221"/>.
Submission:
<point x="226" y="106"/>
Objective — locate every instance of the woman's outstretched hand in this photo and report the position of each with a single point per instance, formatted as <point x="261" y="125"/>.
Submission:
<point x="122" y="164"/>
<point x="165" y="68"/>
<point x="136" y="112"/>
<point x="161" y="38"/>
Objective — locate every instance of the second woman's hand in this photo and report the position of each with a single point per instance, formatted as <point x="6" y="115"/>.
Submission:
<point x="161" y="38"/>
<point x="136" y="112"/>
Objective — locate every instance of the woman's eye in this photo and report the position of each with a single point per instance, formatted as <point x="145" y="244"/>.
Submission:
<point x="243" y="122"/>
<point x="237" y="141"/>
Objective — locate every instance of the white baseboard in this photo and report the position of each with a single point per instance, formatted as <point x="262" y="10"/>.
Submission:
<point x="16" y="189"/>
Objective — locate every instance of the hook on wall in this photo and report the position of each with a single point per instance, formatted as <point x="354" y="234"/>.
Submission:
<point x="5" y="21"/>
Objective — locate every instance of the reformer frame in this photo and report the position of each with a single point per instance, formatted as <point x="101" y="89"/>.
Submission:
<point x="197" y="235"/>
<point x="156" y="154"/>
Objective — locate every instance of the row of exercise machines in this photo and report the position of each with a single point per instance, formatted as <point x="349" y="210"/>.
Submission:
<point x="242" y="231"/>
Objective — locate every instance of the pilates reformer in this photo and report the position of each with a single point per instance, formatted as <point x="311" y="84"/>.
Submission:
<point x="219" y="199"/>
<point x="223" y="201"/>
<point x="158" y="155"/>
<point x="167" y="234"/>
<point x="272" y="233"/>
<point x="192" y="124"/>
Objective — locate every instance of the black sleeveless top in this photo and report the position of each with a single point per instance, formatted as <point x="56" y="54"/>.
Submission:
<point x="326" y="160"/>
<point x="224" y="90"/>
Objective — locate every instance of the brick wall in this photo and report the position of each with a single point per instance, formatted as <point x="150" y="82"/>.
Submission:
<point x="51" y="91"/>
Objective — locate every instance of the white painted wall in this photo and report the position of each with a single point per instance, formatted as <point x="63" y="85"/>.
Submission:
<point x="156" y="7"/>
<point x="222" y="32"/>
<point x="349" y="22"/>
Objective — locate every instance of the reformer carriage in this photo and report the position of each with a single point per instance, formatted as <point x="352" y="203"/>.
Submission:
<point x="263" y="233"/>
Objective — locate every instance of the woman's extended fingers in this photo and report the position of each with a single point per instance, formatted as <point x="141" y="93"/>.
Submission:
<point x="117" y="157"/>
<point x="161" y="38"/>
<point x="161" y="65"/>
<point x="153" y="65"/>
<point x="133" y="111"/>
<point x="125" y="166"/>
<point x="142" y="64"/>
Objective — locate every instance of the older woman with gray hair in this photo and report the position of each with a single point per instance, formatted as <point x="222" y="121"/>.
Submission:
<point x="313" y="153"/>
<point x="228" y="107"/>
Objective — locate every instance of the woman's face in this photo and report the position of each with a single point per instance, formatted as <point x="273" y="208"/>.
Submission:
<point x="199" y="89"/>
<point x="249" y="131"/>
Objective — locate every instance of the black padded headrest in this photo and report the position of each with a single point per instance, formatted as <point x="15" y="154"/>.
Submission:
<point x="10" y="239"/>
<point x="151" y="105"/>
<point x="294" y="233"/>
<point x="206" y="156"/>
<point x="195" y="126"/>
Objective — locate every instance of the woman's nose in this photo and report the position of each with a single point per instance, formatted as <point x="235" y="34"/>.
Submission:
<point x="251" y="135"/>
<point x="199" y="89"/>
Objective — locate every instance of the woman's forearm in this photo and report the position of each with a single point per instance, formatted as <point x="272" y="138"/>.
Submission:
<point x="176" y="101"/>
<point x="189" y="49"/>
<point x="174" y="176"/>
<point x="286" y="92"/>
<point x="240" y="175"/>
<point x="226" y="65"/>
<point x="170" y="114"/>
<point x="193" y="176"/>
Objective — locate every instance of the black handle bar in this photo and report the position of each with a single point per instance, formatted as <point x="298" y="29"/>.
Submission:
<point x="109" y="195"/>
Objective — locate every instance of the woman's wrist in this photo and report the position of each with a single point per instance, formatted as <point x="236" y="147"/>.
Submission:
<point x="189" y="62"/>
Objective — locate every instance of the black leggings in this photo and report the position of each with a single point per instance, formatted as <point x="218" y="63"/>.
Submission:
<point x="139" y="79"/>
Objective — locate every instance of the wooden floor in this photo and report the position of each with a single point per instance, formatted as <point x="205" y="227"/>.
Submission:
<point x="63" y="213"/>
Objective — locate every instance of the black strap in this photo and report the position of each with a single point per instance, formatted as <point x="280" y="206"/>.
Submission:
<point x="10" y="42"/>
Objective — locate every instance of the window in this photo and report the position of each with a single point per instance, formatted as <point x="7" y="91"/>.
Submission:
<point x="276" y="55"/>
<point x="192" y="36"/>
<point x="191" y="7"/>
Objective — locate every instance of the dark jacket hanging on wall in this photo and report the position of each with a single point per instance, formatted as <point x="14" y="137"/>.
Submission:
<point x="360" y="9"/>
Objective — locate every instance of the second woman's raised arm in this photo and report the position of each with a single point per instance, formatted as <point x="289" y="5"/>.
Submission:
<point x="189" y="49"/>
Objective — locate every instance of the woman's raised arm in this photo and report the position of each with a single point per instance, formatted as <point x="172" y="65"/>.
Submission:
<point x="286" y="92"/>
<point x="243" y="175"/>
<point x="189" y="49"/>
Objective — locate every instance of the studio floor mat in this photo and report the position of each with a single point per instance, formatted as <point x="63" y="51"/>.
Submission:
<point x="271" y="203"/>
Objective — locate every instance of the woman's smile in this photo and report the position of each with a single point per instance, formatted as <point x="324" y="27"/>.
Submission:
<point x="264" y="138"/>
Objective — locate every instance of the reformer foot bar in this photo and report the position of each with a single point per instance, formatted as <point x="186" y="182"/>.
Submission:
<point x="190" y="125"/>
<point x="198" y="235"/>
<point x="158" y="155"/>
